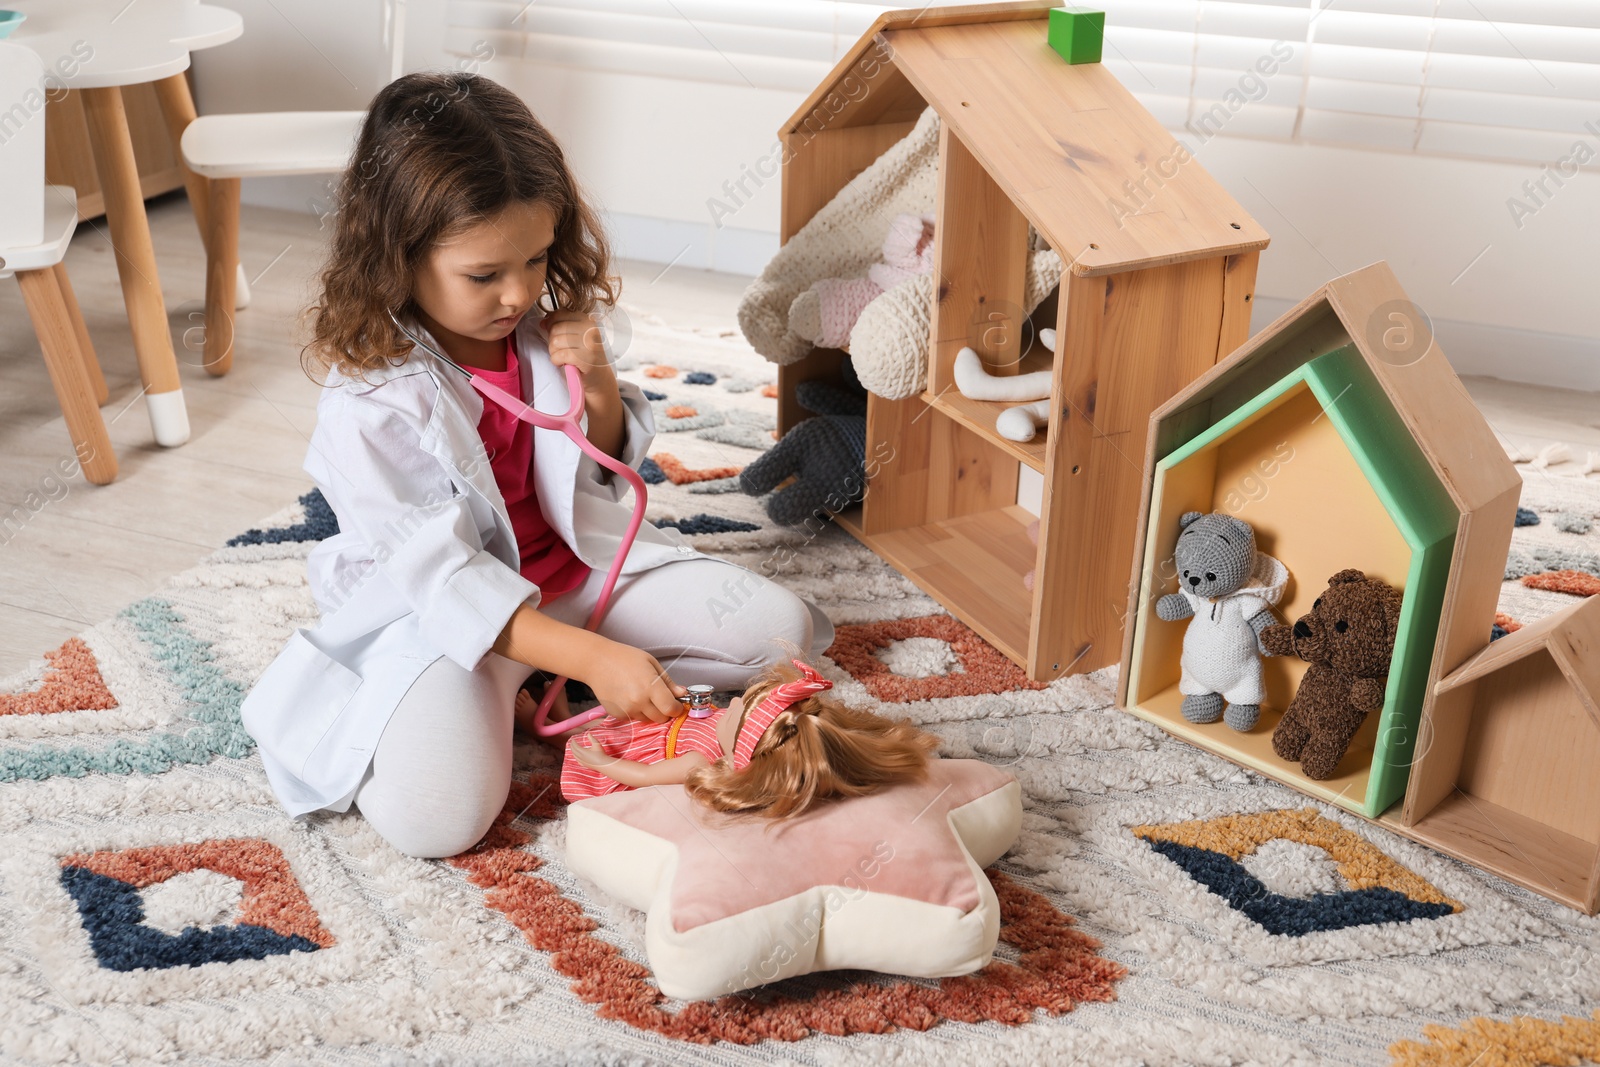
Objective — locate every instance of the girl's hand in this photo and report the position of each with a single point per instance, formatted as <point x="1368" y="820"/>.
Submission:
<point x="630" y="684"/>
<point x="575" y="341"/>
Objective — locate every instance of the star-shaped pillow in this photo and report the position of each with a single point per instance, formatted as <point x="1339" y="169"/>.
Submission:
<point x="890" y="882"/>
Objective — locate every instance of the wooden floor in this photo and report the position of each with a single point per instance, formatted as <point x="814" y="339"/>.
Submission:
<point x="71" y="554"/>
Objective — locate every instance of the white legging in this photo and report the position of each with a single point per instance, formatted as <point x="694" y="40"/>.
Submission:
<point x="442" y="768"/>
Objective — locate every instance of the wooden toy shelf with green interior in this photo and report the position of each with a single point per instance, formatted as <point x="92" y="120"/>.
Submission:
<point x="1343" y="437"/>
<point x="1322" y="468"/>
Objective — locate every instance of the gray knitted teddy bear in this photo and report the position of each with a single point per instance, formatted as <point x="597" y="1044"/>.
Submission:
<point x="827" y="452"/>
<point x="1226" y="589"/>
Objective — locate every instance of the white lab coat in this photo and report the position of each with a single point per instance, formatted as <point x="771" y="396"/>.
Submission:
<point x="425" y="563"/>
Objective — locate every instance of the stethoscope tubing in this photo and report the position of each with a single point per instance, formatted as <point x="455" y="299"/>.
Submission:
<point x="570" y="424"/>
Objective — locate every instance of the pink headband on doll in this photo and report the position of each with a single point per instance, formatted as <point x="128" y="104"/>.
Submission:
<point x="758" y="718"/>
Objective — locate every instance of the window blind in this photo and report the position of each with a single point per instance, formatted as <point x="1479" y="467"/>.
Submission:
<point x="769" y="44"/>
<point x="1495" y="79"/>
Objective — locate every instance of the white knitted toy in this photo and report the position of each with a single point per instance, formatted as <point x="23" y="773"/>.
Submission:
<point x="976" y="383"/>
<point x="891" y="337"/>
<point x="889" y="343"/>
<point x="1226" y="589"/>
<point x="1020" y="423"/>
<point x="889" y="346"/>
<point x="843" y="239"/>
<point x="826" y="313"/>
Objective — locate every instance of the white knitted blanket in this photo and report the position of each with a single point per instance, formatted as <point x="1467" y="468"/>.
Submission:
<point x="889" y="346"/>
<point x="843" y="239"/>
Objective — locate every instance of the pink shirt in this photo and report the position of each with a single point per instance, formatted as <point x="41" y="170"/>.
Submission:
<point x="547" y="561"/>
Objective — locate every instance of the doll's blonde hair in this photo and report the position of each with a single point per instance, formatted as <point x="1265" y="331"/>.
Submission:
<point x="815" y="749"/>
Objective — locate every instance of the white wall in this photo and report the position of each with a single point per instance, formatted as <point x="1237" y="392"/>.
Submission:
<point x="1508" y="302"/>
<point x="295" y="55"/>
<point x="653" y="151"/>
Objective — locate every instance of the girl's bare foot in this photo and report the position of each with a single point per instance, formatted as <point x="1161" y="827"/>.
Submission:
<point x="525" y="709"/>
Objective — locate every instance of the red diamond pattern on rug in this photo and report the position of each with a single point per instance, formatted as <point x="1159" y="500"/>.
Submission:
<point x="984" y="669"/>
<point x="71" y="683"/>
<point x="679" y="474"/>
<point x="1574" y="583"/>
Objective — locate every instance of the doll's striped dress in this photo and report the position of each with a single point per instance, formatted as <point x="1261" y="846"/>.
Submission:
<point x="642" y="742"/>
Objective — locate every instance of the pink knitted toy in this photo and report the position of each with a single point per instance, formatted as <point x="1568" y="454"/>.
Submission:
<point x="826" y="313"/>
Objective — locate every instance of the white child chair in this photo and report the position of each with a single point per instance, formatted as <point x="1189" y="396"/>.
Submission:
<point x="36" y="224"/>
<point x="223" y="149"/>
<point x="226" y="148"/>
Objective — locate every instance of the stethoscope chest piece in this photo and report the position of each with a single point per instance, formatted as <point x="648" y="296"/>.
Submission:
<point x="699" y="701"/>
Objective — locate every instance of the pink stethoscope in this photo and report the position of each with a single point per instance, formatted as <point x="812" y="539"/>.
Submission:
<point x="571" y="424"/>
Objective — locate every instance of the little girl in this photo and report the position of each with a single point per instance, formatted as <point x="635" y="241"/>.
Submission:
<point x="472" y="547"/>
<point x="777" y="751"/>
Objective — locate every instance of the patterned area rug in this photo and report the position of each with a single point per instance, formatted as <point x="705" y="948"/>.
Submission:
<point x="156" y="906"/>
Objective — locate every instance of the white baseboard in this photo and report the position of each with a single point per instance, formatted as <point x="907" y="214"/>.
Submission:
<point x="702" y="245"/>
<point x="1560" y="361"/>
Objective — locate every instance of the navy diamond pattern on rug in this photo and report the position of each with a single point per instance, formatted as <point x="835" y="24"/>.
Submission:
<point x="319" y="525"/>
<point x="113" y="914"/>
<point x="1294" y="916"/>
<point x="707" y="524"/>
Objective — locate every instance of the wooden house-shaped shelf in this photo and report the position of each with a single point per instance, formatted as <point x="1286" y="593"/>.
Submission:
<point x="1505" y="772"/>
<point x="1160" y="269"/>
<point x="1342" y="435"/>
<point x="1324" y="432"/>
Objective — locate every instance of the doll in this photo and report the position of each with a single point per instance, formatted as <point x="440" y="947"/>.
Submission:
<point x="777" y="751"/>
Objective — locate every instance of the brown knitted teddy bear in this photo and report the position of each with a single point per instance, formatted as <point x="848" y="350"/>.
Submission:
<point x="1348" y="638"/>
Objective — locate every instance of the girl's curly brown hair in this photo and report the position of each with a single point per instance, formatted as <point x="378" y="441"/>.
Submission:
<point x="815" y="749"/>
<point x="438" y="152"/>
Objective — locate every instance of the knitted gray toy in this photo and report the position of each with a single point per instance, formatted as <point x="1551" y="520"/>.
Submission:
<point x="827" y="452"/>
<point x="1226" y="589"/>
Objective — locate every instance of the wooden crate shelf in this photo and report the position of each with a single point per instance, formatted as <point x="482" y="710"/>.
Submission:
<point x="1149" y="300"/>
<point x="1504" y="776"/>
<point x="973" y="565"/>
<point x="1517" y="847"/>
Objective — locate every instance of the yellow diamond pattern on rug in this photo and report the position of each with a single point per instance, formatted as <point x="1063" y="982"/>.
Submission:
<point x="1517" y="1042"/>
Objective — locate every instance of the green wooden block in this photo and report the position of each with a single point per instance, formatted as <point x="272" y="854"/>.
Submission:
<point x="1077" y="35"/>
